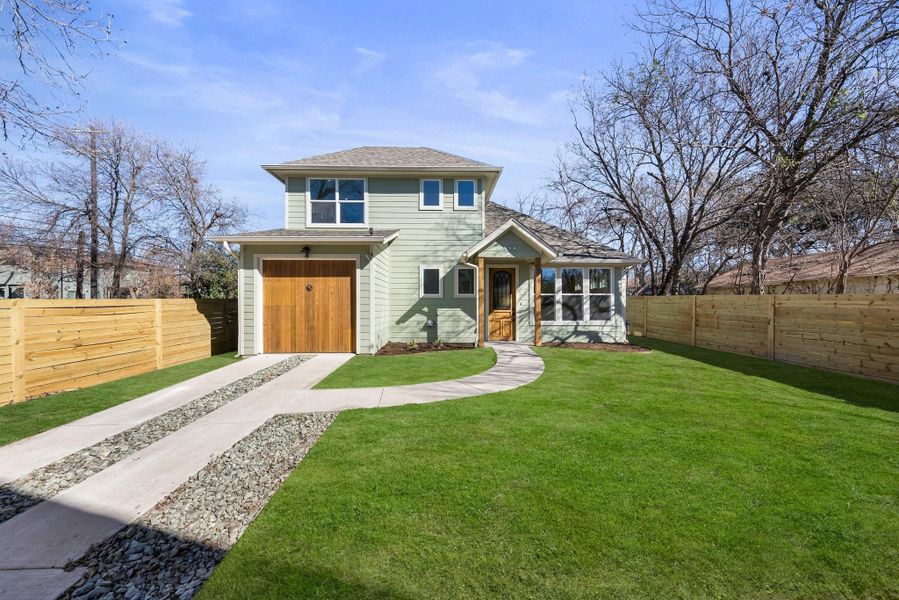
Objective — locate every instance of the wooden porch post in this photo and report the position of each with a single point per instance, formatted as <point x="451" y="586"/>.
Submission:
<point x="538" y="308"/>
<point x="481" y="308"/>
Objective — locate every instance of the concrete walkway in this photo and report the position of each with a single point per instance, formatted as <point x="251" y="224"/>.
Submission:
<point x="35" y="545"/>
<point x="22" y="457"/>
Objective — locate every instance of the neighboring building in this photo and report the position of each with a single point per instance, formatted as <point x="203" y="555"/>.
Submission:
<point x="874" y="271"/>
<point x="18" y="282"/>
<point x="404" y="244"/>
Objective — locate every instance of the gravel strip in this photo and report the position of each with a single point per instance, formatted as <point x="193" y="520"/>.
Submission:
<point x="48" y="481"/>
<point x="171" y="550"/>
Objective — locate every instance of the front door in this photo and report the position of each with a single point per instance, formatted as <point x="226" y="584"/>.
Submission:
<point x="501" y="317"/>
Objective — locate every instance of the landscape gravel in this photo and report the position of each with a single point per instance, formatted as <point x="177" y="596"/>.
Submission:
<point x="172" y="549"/>
<point x="48" y="481"/>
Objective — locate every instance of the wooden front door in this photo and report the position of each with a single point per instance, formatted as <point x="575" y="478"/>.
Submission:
<point x="308" y="306"/>
<point x="501" y="318"/>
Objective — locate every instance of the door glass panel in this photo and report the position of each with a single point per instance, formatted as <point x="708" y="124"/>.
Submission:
<point x="502" y="290"/>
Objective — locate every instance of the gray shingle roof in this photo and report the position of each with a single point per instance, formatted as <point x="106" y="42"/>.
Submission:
<point x="388" y="156"/>
<point x="570" y="245"/>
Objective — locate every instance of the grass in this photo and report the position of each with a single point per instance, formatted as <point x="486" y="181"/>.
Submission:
<point x="18" y="421"/>
<point x="682" y="473"/>
<point x="376" y="371"/>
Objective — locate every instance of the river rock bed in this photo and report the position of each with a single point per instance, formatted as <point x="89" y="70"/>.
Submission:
<point x="48" y="481"/>
<point x="172" y="549"/>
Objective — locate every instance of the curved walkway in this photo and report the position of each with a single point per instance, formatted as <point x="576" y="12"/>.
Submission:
<point x="38" y="543"/>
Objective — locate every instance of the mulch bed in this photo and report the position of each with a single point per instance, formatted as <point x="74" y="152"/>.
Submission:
<point x="601" y="347"/>
<point x="397" y="348"/>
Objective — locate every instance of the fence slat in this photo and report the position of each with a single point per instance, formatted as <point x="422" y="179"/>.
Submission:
<point x="853" y="333"/>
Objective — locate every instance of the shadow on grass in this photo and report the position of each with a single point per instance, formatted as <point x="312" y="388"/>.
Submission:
<point x="848" y="388"/>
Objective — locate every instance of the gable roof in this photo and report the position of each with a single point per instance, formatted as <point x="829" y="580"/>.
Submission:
<point x="388" y="156"/>
<point x="570" y="246"/>
<point x="528" y="236"/>
<point x="880" y="259"/>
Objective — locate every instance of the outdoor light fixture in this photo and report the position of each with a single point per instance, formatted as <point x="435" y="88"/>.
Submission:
<point x="306" y="251"/>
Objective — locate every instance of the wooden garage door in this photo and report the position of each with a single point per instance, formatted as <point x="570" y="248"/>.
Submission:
<point x="308" y="305"/>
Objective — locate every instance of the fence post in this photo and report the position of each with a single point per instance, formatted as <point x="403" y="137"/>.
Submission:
<point x="17" y="333"/>
<point x="771" y="330"/>
<point x="157" y="325"/>
<point x="693" y="323"/>
<point x="645" y="316"/>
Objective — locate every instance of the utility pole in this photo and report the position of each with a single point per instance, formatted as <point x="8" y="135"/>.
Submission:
<point x="94" y="217"/>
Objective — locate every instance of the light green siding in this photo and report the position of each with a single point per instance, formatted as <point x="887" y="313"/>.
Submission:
<point x="381" y="277"/>
<point x="295" y="213"/>
<point x="426" y="237"/>
<point x="510" y="245"/>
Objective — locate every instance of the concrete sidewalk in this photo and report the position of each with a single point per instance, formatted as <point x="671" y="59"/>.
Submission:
<point x="22" y="457"/>
<point x="35" y="545"/>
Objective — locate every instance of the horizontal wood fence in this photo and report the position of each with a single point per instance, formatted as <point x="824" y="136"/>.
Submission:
<point x="853" y="333"/>
<point x="53" y="345"/>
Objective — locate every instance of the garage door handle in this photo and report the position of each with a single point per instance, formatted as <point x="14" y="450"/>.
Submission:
<point x="308" y="287"/>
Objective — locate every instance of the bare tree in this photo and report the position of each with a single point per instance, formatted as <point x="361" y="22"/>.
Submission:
<point x="855" y="202"/>
<point x="812" y="79"/>
<point x="659" y="158"/>
<point x="191" y="209"/>
<point x="44" y="36"/>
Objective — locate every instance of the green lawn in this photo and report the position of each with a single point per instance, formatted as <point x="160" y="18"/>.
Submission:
<point x="376" y="371"/>
<point x="682" y="473"/>
<point x="24" y="419"/>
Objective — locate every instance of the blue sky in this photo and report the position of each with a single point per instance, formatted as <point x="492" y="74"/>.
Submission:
<point x="256" y="81"/>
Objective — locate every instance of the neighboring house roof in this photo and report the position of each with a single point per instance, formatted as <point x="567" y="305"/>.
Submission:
<point x="388" y="156"/>
<point x="363" y="236"/>
<point x="571" y="247"/>
<point x="878" y="260"/>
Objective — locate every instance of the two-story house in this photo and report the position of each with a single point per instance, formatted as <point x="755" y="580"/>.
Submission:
<point x="399" y="244"/>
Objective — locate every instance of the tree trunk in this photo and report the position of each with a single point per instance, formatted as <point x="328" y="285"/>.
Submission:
<point x="79" y="266"/>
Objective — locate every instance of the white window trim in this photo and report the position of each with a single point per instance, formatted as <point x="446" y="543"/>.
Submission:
<point x="421" y="194"/>
<point x="474" y="286"/>
<point x="456" y="206"/>
<point x="421" y="281"/>
<point x="311" y="225"/>
<point x="585" y="293"/>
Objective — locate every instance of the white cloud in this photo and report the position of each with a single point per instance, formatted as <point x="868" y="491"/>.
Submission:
<point x="369" y="59"/>
<point x="463" y="75"/>
<point x="168" y="12"/>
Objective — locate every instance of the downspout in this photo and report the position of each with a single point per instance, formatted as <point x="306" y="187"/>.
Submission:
<point x="477" y="309"/>
<point x="228" y="249"/>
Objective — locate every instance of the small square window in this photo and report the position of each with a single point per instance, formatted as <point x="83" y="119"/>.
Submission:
<point x="465" y="282"/>
<point x="16" y="292"/>
<point x="431" y="197"/>
<point x="431" y="282"/>
<point x="465" y="194"/>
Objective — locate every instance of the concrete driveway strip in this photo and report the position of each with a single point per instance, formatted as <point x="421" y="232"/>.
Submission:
<point x="22" y="457"/>
<point x="57" y="531"/>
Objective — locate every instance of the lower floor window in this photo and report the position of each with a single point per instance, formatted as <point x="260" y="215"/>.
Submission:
<point x="576" y="295"/>
<point x="431" y="282"/>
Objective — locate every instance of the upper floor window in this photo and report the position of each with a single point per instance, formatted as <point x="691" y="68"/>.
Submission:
<point x="337" y="201"/>
<point x="466" y="190"/>
<point x="431" y="195"/>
